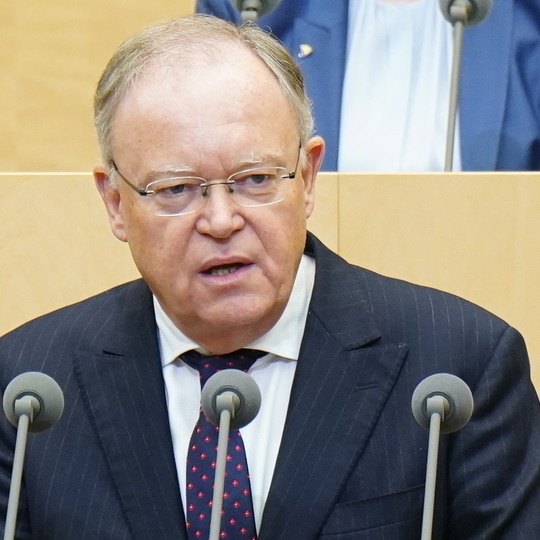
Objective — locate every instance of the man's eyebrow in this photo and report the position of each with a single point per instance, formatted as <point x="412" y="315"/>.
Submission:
<point x="258" y="160"/>
<point x="168" y="170"/>
<point x="183" y="170"/>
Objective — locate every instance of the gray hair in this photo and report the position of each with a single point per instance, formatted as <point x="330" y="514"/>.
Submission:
<point x="183" y="38"/>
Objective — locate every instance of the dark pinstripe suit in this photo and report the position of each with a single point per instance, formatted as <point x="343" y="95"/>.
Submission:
<point x="352" y="459"/>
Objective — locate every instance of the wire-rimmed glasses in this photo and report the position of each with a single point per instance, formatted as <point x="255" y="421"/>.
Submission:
<point x="179" y="194"/>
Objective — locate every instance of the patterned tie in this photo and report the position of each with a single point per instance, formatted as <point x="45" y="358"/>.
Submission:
<point x="237" y="521"/>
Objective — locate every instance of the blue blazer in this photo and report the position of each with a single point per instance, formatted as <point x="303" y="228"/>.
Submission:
<point x="499" y="106"/>
<point x="352" y="459"/>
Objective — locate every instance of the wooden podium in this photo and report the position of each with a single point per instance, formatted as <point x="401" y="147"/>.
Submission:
<point x="473" y="234"/>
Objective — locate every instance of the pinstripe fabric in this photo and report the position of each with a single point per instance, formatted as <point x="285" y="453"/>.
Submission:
<point x="352" y="460"/>
<point x="99" y="473"/>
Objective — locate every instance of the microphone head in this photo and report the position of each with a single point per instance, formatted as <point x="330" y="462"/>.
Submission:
<point x="454" y="390"/>
<point x="479" y="10"/>
<point x="251" y="10"/>
<point x="41" y="387"/>
<point x="239" y="383"/>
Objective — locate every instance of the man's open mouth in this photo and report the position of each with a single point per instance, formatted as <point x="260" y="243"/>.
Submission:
<point x="223" y="269"/>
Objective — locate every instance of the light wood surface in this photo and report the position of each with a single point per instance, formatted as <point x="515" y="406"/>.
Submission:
<point x="56" y="247"/>
<point x="475" y="235"/>
<point x="52" y="54"/>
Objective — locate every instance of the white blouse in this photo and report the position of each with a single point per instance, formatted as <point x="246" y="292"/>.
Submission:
<point x="396" y="88"/>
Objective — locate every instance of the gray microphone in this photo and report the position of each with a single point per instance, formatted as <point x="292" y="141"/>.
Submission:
<point x="37" y="395"/>
<point x="440" y="403"/>
<point x="234" y="390"/>
<point x="251" y="10"/>
<point x="457" y="401"/>
<point x="32" y="402"/>
<point x="469" y="12"/>
<point x="230" y="399"/>
<point x="459" y="13"/>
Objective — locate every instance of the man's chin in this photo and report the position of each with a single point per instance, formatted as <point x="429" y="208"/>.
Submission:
<point x="248" y="316"/>
<point x="236" y="315"/>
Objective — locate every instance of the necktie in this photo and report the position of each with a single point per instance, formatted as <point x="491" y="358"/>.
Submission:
<point x="237" y="521"/>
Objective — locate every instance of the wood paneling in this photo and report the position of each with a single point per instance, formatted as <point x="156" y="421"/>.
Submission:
<point x="324" y="221"/>
<point x="475" y="235"/>
<point x="56" y="246"/>
<point x="52" y="54"/>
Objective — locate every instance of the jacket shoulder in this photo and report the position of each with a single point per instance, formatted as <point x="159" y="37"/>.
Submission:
<point x="73" y="326"/>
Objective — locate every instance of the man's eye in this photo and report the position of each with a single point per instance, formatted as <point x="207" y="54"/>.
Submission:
<point x="255" y="179"/>
<point x="259" y="178"/>
<point x="176" y="189"/>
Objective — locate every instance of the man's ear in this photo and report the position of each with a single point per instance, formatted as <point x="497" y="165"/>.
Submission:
<point x="314" y="150"/>
<point x="111" y="198"/>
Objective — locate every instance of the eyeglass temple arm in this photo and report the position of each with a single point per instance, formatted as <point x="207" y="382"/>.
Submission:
<point x="292" y="175"/>
<point x="141" y="191"/>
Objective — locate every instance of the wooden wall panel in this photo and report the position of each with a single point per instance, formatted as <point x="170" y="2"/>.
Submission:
<point x="324" y="219"/>
<point x="475" y="235"/>
<point x="56" y="247"/>
<point x="52" y="54"/>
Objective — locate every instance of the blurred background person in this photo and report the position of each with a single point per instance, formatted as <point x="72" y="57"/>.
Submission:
<point x="378" y="73"/>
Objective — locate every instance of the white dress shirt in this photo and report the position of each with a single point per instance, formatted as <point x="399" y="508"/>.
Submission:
<point x="273" y="373"/>
<point x="394" y="112"/>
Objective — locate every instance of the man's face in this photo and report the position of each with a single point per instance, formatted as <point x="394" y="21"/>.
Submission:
<point x="211" y="119"/>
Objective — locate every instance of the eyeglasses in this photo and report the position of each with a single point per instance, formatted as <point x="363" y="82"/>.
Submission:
<point x="179" y="195"/>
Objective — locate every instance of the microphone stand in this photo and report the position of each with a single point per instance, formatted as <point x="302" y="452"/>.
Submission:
<point x="441" y="403"/>
<point x="459" y="12"/>
<point x="437" y="406"/>
<point x="25" y="409"/>
<point x="32" y="402"/>
<point x="227" y="403"/>
<point x="229" y="399"/>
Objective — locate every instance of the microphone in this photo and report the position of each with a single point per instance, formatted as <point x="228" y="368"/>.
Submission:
<point x="36" y="395"/>
<point x="33" y="402"/>
<point x="232" y="390"/>
<point x="230" y="399"/>
<point x="251" y="10"/>
<point x="459" y="13"/>
<point x="441" y="402"/>
<point x="457" y="401"/>
<point x="469" y="12"/>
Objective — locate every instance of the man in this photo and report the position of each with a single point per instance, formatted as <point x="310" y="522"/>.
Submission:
<point x="208" y="173"/>
<point x="396" y="73"/>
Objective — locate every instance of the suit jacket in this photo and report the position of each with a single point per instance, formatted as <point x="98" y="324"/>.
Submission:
<point x="499" y="105"/>
<point x="352" y="459"/>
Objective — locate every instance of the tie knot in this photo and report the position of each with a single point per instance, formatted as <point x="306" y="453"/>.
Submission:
<point x="241" y="359"/>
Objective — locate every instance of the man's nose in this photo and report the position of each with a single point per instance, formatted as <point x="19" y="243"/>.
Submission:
<point x="220" y="214"/>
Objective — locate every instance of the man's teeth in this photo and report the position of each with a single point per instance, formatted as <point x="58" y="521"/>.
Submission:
<point x="223" y="270"/>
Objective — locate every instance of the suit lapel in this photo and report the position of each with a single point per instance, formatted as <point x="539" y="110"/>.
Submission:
<point x="342" y="382"/>
<point x="484" y="86"/>
<point x="320" y="28"/>
<point x="123" y="390"/>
